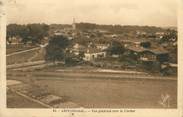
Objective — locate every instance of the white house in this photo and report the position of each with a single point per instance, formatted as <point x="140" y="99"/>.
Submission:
<point x="14" y="41"/>
<point x="102" y="46"/>
<point x="93" y="53"/>
<point x="77" y="49"/>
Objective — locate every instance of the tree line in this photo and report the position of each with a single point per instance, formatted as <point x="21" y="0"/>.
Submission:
<point x="30" y="32"/>
<point x="119" y="28"/>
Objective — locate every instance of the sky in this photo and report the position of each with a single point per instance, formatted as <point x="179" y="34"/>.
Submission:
<point x="123" y="12"/>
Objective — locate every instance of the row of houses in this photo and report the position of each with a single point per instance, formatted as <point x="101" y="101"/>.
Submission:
<point x="140" y="48"/>
<point x="90" y="52"/>
<point x="142" y="51"/>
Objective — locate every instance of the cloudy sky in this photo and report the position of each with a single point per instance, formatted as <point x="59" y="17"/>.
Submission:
<point x="124" y="12"/>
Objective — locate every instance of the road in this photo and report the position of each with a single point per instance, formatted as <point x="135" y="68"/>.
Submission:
<point x="23" y="51"/>
<point x="28" y="50"/>
<point x="87" y="74"/>
<point x="98" y="92"/>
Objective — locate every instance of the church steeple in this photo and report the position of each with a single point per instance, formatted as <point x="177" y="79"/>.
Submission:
<point x="73" y="24"/>
<point x="73" y="29"/>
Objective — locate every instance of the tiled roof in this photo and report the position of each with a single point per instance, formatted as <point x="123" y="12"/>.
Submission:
<point x="159" y="51"/>
<point x="136" y="49"/>
<point x="153" y="50"/>
<point x="135" y="40"/>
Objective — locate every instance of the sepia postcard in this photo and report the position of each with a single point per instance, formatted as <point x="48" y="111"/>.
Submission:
<point x="77" y="58"/>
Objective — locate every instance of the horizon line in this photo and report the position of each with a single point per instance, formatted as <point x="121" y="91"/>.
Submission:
<point x="93" y="23"/>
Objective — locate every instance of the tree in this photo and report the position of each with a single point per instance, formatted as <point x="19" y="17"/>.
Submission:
<point x="13" y="30"/>
<point x="71" y="59"/>
<point x="24" y="33"/>
<point x="55" y="51"/>
<point x="31" y="32"/>
<point x="37" y="32"/>
<point x="115" y="48"/>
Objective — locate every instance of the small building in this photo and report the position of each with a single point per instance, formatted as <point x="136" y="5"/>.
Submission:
<point x="154" y="55"/>
<point x="136" y="43"/>
<point x="77" y="49"/>
<point x="150" y="58"/>
<point x="149" y="54"/>
<point x="58" y="32"/>
<point x="140" y="33"/>
<point x="94" y="53"/>
<point x="169" y="69"/>
<point x="14" y="41"/>
<point x="144" y="50"/>
<point x="160" y="34"/>
<point x="102" y="46"/>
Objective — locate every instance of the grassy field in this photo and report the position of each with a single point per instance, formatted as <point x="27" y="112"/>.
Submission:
<point x="106" y="93"/>
<point x="34" y="55"/>
<point x="114" y="94"/>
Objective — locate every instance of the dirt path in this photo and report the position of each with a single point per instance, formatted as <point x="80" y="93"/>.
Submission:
<point x="88" y="74"/>
<point x="23" y="51"/>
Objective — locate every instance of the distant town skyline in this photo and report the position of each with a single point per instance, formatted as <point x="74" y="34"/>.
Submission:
<point x="120" y="12"/>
